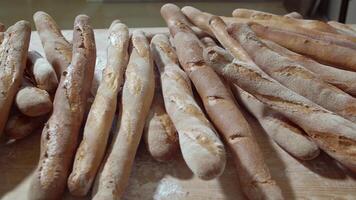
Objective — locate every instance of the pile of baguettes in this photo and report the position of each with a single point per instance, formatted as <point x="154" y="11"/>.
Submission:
<point x="295" y="76"/>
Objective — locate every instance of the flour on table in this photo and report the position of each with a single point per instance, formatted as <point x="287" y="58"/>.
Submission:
<point x="169" y="189"/>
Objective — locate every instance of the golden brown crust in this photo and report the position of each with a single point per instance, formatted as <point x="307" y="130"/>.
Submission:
<point x="332" y="133"/>
<point x="324" y="51"/>
<point x="60" y="134"/>
<point x="343" y="28"/>
<point x="57" y="49"/>
<point x="13" y="52"/>
<point x="92" y="148"/>
<point x="137" y="96"/>
<point x="159" y="133"/>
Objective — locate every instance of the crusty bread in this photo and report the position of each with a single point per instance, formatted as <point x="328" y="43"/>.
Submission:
<point x="42" y="72"/>
<point x="159" y="133"/>
<point x="343" y="79"/>
<point x="293" y="75"/>
<point x="328" y="52"/>
<point x="332" y="133"/>
<point x="60" y="134"/>
<point x="285" y="133"/>
<point x="197" y="137"/>
<point x="13" y="53"/>
<point x="92" y="148"/>
<point x="277" y="19"/>
<point x="295" y="15"/>
<point x="137" y="95"/>
<point x="57" y="49"/>
<point x="33" y="102"/>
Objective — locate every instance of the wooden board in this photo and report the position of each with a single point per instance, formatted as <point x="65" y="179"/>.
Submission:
<point x="321" y="178"/>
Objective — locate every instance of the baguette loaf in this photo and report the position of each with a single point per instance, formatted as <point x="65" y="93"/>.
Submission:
<point x="159" y="133"/>
<point x="198" y="140"/>
<point x="57" y="49"/>
<point x="201" y="19"/>
<point x="324" y="51"/>
<point x="13" y="52"/>
<point x="293" y="75"/>
<point x="92" y="148"/>
<point x="343" y="28"/>
<point x="280" y="129"/>
<point x="307" y="24"/>
<point x="42" y="72"/>
<point x="343" y="79"/>
<point x="60" y="134"/>
<point x="332" y="133"/>
<point x="137" y="95"/>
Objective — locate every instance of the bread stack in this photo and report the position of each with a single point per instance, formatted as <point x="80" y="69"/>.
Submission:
<point x="295" y="76"/>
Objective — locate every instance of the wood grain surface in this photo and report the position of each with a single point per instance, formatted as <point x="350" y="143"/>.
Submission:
<point x="321" y="178"/>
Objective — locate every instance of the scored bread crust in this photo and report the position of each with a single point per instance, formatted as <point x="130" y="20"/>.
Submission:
<point x="159" y="133"/>
<point x="343" y="79"/>
<point x="293" y="75"/>
<point x="57" y="49"/>
<point x="199" y="139"/>
<point x="137" y="95"/>
<point x="259" y="15"/>
<point x="13" y="52"/>
<point x="92" y="148"/>
<point x="332" y="133"/>
<point x="60" y="134"/>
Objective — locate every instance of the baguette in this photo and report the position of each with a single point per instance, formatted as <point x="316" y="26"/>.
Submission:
<point x="281" y="130"/>
<point x="202" y="150"/>
<point x="198" y="140"/>
<point x="295" y="15"/>
<point x="343" y="79"/>
<point x="293" y="75"/>
<point x="60" y="134"/>
<point x="287" y="135"/>
<point x="99" y="122"/>
<point x="137" y="95"/>
<point x="343" y="28"/>
<point x="13" y="52"/>
<point x="272" y="18"/>
<point x="201" y="20"/>
<point x="42" y="72"/>
<point x="324" y="51"/>
<point x="159" y="133"/>
<point x="19" y="125"/>
<point x="57" y="49"/>
<point x="33" y="102"/>
<point x="332" y="133"/>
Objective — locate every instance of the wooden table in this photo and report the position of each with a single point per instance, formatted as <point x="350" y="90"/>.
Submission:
<point x="321" y="178"/>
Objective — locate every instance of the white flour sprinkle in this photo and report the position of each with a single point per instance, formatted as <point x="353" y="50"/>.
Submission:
<point x="168" y="189"/>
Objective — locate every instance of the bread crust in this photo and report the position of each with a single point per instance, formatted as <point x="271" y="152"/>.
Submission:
<point x="60" y="134"/>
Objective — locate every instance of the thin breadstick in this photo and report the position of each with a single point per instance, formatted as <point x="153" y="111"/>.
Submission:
<point x="276" y="19"/>
<point x="57" y="49"/>
<point x="42" y="72"/>
<point x="343" y="79"/>
<point x="137" y="95"/>
<point x="13" y="53"/>
<point x="198" y="140"/>
<point x="99" y="122"/>
<point x="293" y="75"/>
<point x="60" y="134"/>
<point x="159" y="133"/>
<point x="332" y="133"/>
<point x="280" y="129"/>
<point x="201" y="20"/>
